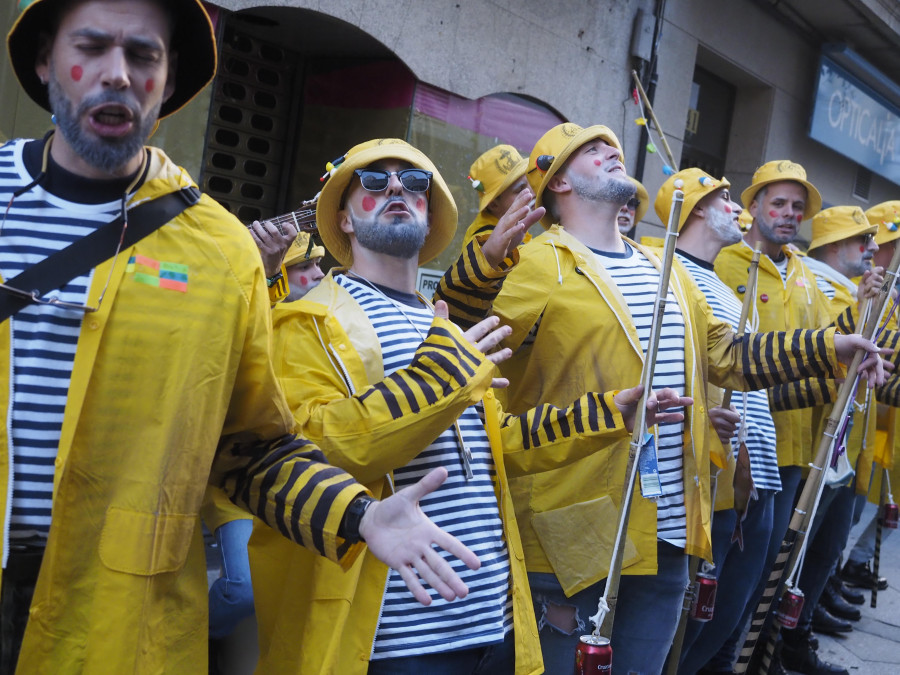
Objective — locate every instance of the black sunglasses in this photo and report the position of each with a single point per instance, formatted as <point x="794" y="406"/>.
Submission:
<point x="413" y="180"/>
<point x="633" y="203"/>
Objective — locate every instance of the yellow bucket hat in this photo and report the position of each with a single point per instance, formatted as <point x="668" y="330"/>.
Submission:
<point x="745" y="220"/>
<point x="494" y="171"/>
<point x="781" y="170"/>
<point x="887" y="217"/>
<point x="443" y="216"/>
<point x="697" y="184"/>
<point x="300" y="251"/>
<point x="193" y="39"/>
<point x="838" y="223"/>
<point x="554" y="148"/>
<point x="643" y="201"/>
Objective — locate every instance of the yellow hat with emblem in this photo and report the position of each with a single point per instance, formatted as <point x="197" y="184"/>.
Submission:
<point x="778" y="171"/>
<point x="300" y="251"/>
<point x="442" y="218"/>
<point x="554" y="148"/>
<point x="839" y="223"/>
<point x="697" y="184"/>
<point x="745" y="220"/>
<point x="494" y="171"/>
<point x="193" y="39"/>
<point x="887" y="217"/>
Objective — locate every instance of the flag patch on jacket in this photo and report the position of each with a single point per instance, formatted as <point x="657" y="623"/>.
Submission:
<point x="173" y="276"/>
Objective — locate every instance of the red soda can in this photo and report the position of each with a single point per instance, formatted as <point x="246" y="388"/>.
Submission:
<point x="788" y="613"/>
<point x="890" y="517"/>
<point x="593" y="655"/>
<point x="704" y="600"/>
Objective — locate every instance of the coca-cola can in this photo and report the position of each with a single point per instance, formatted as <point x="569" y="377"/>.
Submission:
<point x="789" y="608"/>
<point x="704" y="601"/>
<point x="890" y="516"/>
<point x="593" y="655"/>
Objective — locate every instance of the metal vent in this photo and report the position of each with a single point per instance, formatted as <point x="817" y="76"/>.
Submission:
<point x="862" y="184"/>
<point x="249" y="126"/>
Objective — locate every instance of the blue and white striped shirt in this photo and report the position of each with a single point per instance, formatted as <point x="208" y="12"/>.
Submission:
<point x="43" y="338"/>
<point x="760" y="439"/>
<point x="638" y="281"/>
<point x="467" y="509"/>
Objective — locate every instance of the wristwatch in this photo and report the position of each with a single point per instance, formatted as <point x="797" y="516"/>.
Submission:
<point x="271" y="281"/>
<point x="349" y="528"/>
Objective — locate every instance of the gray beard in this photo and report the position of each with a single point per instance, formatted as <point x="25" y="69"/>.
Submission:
<point x="614" y="191"/>
<point x="724" y="226"/>
<point x="104" y="154"/>
<point x="398" y="239"/>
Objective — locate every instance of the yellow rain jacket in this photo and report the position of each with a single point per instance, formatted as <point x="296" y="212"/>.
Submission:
<point x="587" y="341"/>
<point x="169" y="390"/>
<point x="311" y="617"/>
<point x="782" y="305"/>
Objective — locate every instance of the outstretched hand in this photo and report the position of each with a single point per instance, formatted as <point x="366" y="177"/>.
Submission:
<point x="873" y="368"/>
<point x="511" y="228"/>
<point x="485" y="335"/>
<point x="658" y="401"/>
<point x="401" y="536"/>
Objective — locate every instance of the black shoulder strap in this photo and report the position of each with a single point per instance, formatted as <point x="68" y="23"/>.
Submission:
<point x="81" y="256"/>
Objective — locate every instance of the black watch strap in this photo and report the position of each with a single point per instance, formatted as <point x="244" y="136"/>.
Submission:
<point x="353" y="516"/>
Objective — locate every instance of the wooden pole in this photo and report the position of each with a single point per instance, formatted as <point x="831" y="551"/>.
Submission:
<point x="662" y="135"/>
<point x="611" y="592"/>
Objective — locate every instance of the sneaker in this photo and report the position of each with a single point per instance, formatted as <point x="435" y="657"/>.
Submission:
<point x="798" y="655"/>
<point x="861" y="576"/>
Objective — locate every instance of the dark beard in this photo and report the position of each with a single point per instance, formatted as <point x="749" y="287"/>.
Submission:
<point x="105" y="154"/>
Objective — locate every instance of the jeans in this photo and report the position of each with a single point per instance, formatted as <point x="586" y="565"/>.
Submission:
<point x="497" y="659"/>
<point x="738" y="573"/>
<point x="824" y="547"/>
<point x="646" y="617"/>
<point x="782" y="510"/>
<point x="864" y="549"/>
<point x="231" y="595"/>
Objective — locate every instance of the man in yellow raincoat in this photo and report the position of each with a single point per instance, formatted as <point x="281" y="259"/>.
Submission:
<point x="579" y="303"/>
<point x="389" y="388"/>
<point x="857" y="570"/>
<point x="132" y="386"/>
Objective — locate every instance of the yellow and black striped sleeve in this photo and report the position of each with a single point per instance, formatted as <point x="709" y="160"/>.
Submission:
<point x="763" y="360"/>
<point x="385" y="425"/>
<point x="470" y="284"/>
<point x="808" y="393"/>
<point x="279" y="289"/>
<point x="289" y="486"/>
<point x="547" y="437"/>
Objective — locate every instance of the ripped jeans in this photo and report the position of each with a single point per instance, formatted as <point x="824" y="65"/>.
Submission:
<point x="646" y="616"/>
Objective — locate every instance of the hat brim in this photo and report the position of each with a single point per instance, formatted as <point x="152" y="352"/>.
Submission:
<point x="442" y="208"/>
<point x="840" y="235"/>
<point x="585" y="135"/>
<point x="517" y="172"/>
<point x="193" y="40"/>
<point x="295" y="258"/>
<point x="813" y="198"/>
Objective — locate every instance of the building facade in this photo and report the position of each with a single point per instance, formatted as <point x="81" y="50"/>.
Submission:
<point x="733" y="84"/>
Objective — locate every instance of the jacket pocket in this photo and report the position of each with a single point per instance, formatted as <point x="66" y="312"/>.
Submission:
<point x="137" y="542"/>
<point x="578" y="540"/>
